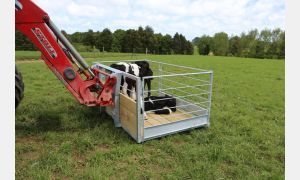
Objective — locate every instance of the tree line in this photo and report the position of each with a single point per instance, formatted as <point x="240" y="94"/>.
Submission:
<point x="142" y="40"/>
<point x="253" y="44"/>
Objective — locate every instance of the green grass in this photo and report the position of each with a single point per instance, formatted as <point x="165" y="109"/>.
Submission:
<point x="21" y="55"/>
<point x="58" y="138"/>
<point x="30" y="55"/>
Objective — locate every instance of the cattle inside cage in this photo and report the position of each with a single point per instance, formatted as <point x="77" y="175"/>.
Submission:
<point x="178" y="98"/>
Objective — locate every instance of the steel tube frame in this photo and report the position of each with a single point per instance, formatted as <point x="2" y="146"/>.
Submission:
<point x="197" y="119"/>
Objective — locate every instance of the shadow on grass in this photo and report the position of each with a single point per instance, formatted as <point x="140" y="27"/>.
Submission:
<point x="48" y="121"/>
<point x="60" y="120"/>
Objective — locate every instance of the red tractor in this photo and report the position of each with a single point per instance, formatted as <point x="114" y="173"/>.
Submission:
<point x="82" y="81"/>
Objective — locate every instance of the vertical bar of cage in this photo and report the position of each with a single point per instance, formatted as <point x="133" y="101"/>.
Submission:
<point x="116" y="110"/>
<point x="143" y="109"/>
<point x="159" y="78"/>
<point x="209" y="97"/>
<point x="139" y="116"/>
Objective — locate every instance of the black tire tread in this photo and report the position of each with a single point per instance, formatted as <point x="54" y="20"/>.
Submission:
<point x="19" y="88"/>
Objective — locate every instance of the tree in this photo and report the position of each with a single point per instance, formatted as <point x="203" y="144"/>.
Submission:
<point x="176" y="44"/>
<point x="166" y="44"/>
<point x="183" y="44"/>
<point x="264" y="44"/>
<point x="252" y="41"/>
<point x="104" y="40"/>
<point x="157" y="43"/>
<point x="260" y="46"/>
<point x="23" y="43"/>
<point x="118" y="36"/>
<point x="276" y="44"/>
<point x="148" y="39"/>
<point x="131" y="41"/>
<point x="77" y="37"/>
<point x="189" y="48"/>
<point x="204" y="45"/>
<point x="235" y="46"/>
<point x="142" y="36"/>
<point x="220" y="44"/>
<point x="281" y="44"/>
<point x="88" y="38"/>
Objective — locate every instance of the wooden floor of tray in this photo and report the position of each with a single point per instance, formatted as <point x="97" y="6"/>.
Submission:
<point x="159" y="119"/>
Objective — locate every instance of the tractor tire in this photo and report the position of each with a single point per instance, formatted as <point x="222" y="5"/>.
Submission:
<point x="19" y="88"/>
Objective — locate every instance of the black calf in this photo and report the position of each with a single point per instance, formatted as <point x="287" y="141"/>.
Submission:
<point x="145" y="70"/>
<point x="160" y="104"/>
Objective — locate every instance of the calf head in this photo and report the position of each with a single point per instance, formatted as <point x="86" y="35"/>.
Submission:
<point x="145" y="70"/>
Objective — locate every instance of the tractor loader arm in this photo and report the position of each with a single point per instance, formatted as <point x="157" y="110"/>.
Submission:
<point x="61" y="57"/>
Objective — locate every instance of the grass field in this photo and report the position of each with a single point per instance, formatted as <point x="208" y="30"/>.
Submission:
<point x="30" y="55"/>
<point x="57" y="138"/>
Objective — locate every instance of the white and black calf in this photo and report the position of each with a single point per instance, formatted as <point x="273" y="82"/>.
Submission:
<point x="160" y="104"/>
<point x="125" y="67"/>
<point x="137" y="68"/>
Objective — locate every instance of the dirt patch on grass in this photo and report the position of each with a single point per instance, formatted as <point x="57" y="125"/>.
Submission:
<point x="28" y="151"/>
<point x="31" y="156"/>
<point x="27" y="139"/>
<point x="82" y="158"/>
<point x="103" y="148"/>
<point x="179" y="142"/>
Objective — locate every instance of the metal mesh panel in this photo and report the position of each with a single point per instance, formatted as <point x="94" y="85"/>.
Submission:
<point x="190" y="87"/>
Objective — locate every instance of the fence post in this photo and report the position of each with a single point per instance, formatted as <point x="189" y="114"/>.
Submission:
<point x="160" y="78"/>
<point x="211" y="75"/>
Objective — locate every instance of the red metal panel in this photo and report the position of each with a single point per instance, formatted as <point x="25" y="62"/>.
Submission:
<point x="29" y="13"/>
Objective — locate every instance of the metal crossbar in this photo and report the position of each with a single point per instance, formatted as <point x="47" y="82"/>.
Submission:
<point x="187" y="77"/>
<point x="185" y="85"/>
<point x="188" y="92"/>
<point x="177" y="97"/>
<point x="179" y="66"/>
<point x="185" y="100"/>
<point x="191" y="104"/>
<point x="172" y="75"/>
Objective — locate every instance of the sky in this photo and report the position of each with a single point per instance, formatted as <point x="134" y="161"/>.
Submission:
<point x="192" y="18"/>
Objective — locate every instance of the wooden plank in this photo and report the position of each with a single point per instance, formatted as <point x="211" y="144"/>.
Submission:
<point x="128" y="103"/>
<point x="162" y="119"/>
<point x="154" y="122"/>
<point x="147" y="124"/>
<point x="128" y="116"/>
<point x="158" y="119"/>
